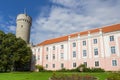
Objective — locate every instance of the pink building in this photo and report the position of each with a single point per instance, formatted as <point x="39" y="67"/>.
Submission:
<point x="95" y="48"/>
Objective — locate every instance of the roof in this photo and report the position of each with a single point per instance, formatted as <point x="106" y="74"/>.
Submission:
<point x="106" y="29"/>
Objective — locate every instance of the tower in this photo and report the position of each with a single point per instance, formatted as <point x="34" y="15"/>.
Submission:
<point x="23" y="22"/>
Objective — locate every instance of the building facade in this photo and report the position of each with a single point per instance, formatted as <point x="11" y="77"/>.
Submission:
<point x="99" y="48"/>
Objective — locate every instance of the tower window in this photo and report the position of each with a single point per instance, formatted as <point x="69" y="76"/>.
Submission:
<point x="21" y="26"/>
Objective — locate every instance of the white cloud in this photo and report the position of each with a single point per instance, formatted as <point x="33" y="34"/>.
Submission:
<point x="69" y="16"/>
<point x="7" y="25"/>
<point x="12" y="28"/>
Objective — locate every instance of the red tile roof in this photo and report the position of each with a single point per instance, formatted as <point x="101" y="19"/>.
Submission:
<point x="111" y="28"/>
<point x="55" y="40"/>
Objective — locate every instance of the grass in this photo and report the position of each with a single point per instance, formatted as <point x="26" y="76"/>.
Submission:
<point x="45" y="75"/>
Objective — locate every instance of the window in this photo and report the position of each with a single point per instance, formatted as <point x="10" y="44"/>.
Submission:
<point x="62" y="46"/>
<point x="53" y="47"/>
<point x="74" y="44"/>
<point x="85" y="63"/>
<point x="62" y="65"/>
<point x="21" y="26"/>
<point x="84" y="53"/>
<point x="84" y="43"/>
<point x="53" y="65"/>
<point x="53" y="56"/>
<point x="38" y="57"/>
<point x="62" y="55"/>
<point x="96" y="63"/>
<point x="111" y="38"/>
<point x="38" y="49"/>
<point x="74" y="64"/>
<point x="46" y="48"/>
<point x="46" y="65"/>
<point x="113" y="49"/>
<point x="114" y="62"/>
<point x="95" y="41"/>
<point x="74" y="54"/>
<point x="95" y="51"/>
<point x="46" y="57"/>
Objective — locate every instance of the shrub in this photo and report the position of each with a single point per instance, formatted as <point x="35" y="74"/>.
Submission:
<point x="83" y="68"/>
<point x="97" y="70"/>
<point x="114" y="76"/>
<point x="71" y="77"/>
<point x="40" y="68"/>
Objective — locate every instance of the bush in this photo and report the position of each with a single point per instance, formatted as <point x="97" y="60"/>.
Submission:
<point x="114" y="76"/>
<point x="71" y="77"/>
<point x="97" y="70"/>
<point x="83" y="68"/>
<point x="40" y="68"/>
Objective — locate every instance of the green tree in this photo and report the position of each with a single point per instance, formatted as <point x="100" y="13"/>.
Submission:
<point x="14" y="53"/>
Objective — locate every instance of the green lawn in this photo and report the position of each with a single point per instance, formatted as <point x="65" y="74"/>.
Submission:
<point x="44" y="75"/>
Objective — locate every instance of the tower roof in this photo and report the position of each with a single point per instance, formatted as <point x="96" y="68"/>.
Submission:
<point x="22" y="16"/>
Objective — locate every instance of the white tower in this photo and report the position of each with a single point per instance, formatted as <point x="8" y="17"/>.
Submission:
<point x="23" y="22"/>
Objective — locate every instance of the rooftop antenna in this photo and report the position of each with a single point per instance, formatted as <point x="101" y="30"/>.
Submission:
<point x="25" y="11"/>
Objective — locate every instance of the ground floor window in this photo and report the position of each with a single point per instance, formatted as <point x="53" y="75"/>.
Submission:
<point x="96" y="63"/>
<point x="114" y="62"/>
<point x="46" y="65"/>
<point x="74" y="64"/>
<point x="53" y="65"/>
<point x="85" y="63"/>
<point x="62" y="65"/>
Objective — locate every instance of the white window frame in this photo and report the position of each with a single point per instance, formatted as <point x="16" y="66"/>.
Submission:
<point x="74" y="54"/>
<point x="94" y="41"/>
<point x="97" y="64"/>
<point x="84" y="53"/>
<point x="112" y="38"/>
<point x="62" y="55"/>
<point x="113" y="50"/>
<point x="114" y="62"/>
<point x="74" y="64"/>
<point x="74" y="44"/>
<point x="84" y="43"/>
<point x="95" y="51"/>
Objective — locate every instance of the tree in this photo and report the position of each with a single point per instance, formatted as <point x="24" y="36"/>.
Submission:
<point x="14" y="53"/>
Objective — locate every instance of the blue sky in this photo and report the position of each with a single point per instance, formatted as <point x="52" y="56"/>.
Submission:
<point x="54" y="18"/>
